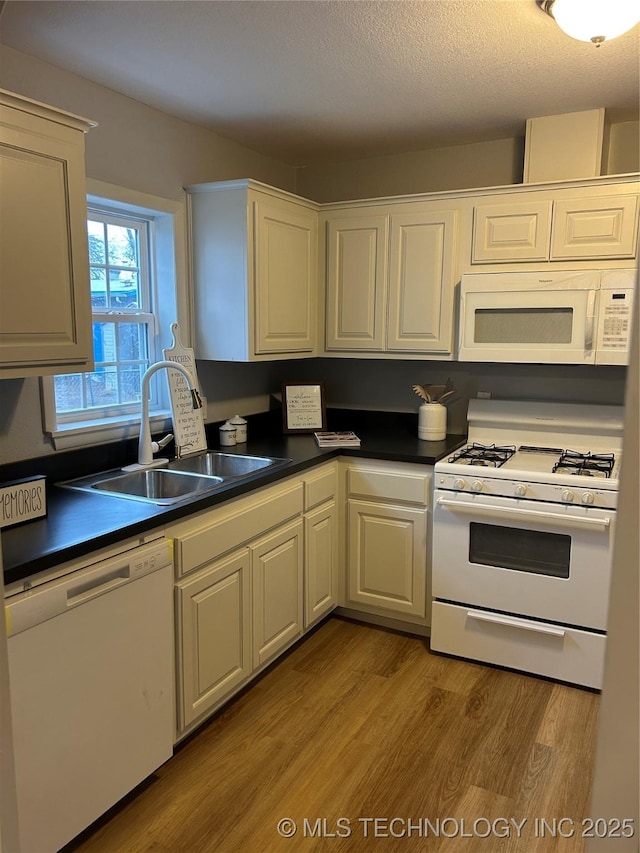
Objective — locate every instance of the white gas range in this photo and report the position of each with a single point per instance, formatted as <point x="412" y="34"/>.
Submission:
<point x="523" y="525"/>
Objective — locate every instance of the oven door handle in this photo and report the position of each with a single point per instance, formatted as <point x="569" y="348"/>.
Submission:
<point x="509" y="621"/>
<point x="508" y="512"/>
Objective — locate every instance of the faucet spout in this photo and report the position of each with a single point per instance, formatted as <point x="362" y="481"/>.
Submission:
<point x="145" y="445"/>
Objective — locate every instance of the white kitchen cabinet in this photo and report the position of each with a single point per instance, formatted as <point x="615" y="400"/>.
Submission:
<point x="391" y="272"/>
<point x="387" y="538"/>
<point x="558" y="224"/>
<point x="213" y="611"/>
<point x="45" y="298"/>
<point x="357" y="254"/>
<point x="595" y="228"/>
<point x="321" y="538"/>
<point x="422" y="275"/>
<point x="255" y="256"/>
<point x="277" y="578"/>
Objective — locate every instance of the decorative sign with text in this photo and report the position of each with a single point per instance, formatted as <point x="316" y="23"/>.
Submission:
<point x="303" y="407"/>
<point x="188" y="423"/>
<point x="22" y="500"/>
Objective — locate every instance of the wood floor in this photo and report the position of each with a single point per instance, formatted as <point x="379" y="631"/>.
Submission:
<point x="359" y="723"/>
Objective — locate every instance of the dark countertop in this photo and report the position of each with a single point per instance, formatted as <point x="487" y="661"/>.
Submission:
<point x="78" y="523"/>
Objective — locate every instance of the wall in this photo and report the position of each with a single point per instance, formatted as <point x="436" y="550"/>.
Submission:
<point x="481" y="164"/>
<point x="616" y="788"/>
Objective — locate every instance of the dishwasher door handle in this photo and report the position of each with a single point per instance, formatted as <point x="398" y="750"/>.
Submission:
<point x="111" y="579"/>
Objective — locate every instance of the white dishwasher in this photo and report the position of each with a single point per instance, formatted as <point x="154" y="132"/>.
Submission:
<point x="91" y="683"/>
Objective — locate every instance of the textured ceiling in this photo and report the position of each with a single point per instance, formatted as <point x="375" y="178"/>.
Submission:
<point x="319" y="80"/>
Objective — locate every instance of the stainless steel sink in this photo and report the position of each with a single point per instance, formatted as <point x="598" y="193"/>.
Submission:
<point x="180" y="480"/>
<point x="155" y="485"/>
<point x="227" y="465"/>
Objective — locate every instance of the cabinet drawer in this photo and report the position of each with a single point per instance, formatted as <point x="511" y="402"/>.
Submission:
<point x="563" y="653"/>
<point x="230" y="528"/>
<point x="320" y="487"/>
<point x="405" y="487"/>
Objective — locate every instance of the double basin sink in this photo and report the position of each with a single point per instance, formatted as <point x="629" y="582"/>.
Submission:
<point x="179" y="480"/>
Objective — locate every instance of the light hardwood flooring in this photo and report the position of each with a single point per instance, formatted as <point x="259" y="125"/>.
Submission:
<point x="358" y="723"/>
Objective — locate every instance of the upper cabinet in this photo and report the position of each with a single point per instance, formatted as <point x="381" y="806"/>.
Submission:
<point x="45" y="298"/>
<point x="391" y="271"/>
<point x="255" y="259"/>
<point x="556" y="225"/>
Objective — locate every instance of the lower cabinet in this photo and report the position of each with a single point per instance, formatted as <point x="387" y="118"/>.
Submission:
<point x="387" y="533"/>
<point x="214" y="619"/>
<point x="321" y="561"/>
<point x="252" y="575"/>
<point x="276" y="568"/>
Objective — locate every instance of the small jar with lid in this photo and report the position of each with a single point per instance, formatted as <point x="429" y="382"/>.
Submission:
<point x="240" y="425"/>
<point x="227" y="435"/>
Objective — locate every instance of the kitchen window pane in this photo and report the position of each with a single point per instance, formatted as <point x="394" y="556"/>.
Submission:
<point x="124" y="289"/>
<point x="101" y="387"/>
<point x="98" y="287"/>
<point x="96" y="237"/>
<point x="132" y="342"/>
<point x="68" y="392"/>
<point x="123" y="245"/>
<point x="130" y="381"/>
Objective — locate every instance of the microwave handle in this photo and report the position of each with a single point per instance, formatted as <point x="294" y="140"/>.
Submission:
<point x="590" y="321"/>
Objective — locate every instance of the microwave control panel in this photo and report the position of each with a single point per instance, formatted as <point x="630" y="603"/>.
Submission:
<point x="614" y="325"/>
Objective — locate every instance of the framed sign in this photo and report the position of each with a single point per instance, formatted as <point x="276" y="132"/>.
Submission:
<point x="303" y="407"/>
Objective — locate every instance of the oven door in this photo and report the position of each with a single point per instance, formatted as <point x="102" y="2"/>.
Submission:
<point x="548" y="561"/>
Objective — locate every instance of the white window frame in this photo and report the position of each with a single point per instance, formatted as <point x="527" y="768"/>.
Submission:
<point x="172" y="301"/>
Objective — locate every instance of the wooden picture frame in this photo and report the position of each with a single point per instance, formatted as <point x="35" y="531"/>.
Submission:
<point x="303" y="407"/>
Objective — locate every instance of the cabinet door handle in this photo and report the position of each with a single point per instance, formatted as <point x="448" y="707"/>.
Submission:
<point x="511" y="622"/>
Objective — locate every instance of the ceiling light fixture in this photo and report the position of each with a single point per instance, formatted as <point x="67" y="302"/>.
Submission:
<point x="592" y="20"/>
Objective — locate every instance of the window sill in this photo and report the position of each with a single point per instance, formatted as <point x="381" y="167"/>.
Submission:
<point x="83" y="434"/>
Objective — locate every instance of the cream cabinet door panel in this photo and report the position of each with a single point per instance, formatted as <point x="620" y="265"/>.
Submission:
<point x="45" y="306"/>
<point x="286" y="275"/>
<point x="321" y="560"/>
<point x="387" y="557"/>
<point x="511" y="232"/>
<point x="421" y="281"/>
<point x="595" y="228"/>
<point x="214" y="610"/>
<point x="356" y="276"/>
<point x="276" y="565"/>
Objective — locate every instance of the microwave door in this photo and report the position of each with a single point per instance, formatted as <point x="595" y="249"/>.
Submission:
<point x="540" y="327"/>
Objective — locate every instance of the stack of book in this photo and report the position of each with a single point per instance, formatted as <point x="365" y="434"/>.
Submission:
<point x="346" y="438"/>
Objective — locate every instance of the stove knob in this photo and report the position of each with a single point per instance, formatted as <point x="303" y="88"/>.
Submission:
<point x="477" y="485"/>
<point x="459" y="483"/>
<point x="521" y="490"/>
<point x="567" y="496"/>
<point x="587" y="498"/>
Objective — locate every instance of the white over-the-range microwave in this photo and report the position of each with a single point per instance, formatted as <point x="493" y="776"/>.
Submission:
<point x="554" y="317"/>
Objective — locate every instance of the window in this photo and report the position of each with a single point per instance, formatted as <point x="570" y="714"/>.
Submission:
<point x="136" y="257"/>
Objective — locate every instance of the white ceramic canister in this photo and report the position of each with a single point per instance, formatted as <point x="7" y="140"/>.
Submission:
<point x="432" y="422"/>
<point x="241" y="428"/>
<point x="227" y="435"/>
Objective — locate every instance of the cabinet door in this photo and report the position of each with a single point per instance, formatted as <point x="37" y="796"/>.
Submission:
<point x="276" y="565"/>
<point x="518" y="231"/>
<point x="321" y="561"/>
<point x="45" y="304"/>
<point x="595" y="228"/>
<point x="421" y="281"/>
<point x="356" y="283"/>
<point x="286" y="255"/>
<point x="387" y="556"/>
<point x="214" y="636"/>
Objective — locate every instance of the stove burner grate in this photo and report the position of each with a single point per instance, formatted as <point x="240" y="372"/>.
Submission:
<point x="585" y="464"/>
<point x="483" y="454"/>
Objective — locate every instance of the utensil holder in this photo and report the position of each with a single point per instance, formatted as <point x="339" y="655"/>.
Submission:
<point x="432" y="422"/>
